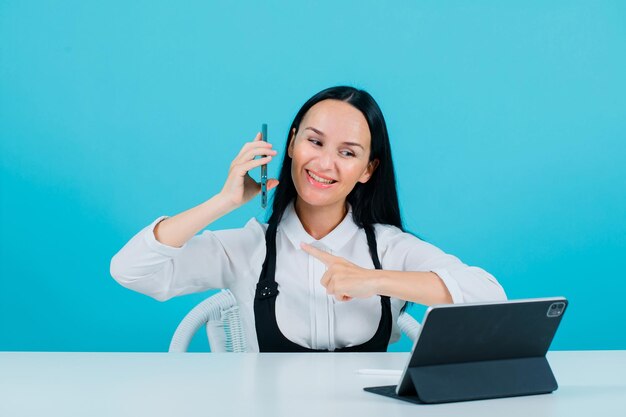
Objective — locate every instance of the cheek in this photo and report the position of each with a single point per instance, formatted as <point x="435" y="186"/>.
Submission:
<point x="298" y="156"/>
<point x="357" y="170"/>
<point x="296" y="163"/>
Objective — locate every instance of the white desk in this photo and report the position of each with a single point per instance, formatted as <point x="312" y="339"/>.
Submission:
<point x="155" y="384"/>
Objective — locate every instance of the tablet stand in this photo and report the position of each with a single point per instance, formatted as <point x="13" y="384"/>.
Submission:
<point x="482" y="380"/>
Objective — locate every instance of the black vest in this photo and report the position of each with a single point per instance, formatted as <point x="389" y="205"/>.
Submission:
<point x="270" y="337"/>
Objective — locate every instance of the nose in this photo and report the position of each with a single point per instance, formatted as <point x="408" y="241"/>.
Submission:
<point x="326" y="159"/>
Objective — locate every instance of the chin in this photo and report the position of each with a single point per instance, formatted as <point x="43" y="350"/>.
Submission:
<point x="314" y="199"/>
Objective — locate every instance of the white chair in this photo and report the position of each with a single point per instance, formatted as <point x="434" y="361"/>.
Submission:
<point x="220" y="314"/>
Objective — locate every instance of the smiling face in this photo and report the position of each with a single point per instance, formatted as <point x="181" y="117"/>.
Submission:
<point x="330" y="154"/>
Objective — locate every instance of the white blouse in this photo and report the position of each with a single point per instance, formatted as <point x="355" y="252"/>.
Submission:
<point x="305" y="314"/>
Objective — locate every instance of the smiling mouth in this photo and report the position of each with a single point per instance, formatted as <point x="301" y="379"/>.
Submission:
<point x="319" y="179"/>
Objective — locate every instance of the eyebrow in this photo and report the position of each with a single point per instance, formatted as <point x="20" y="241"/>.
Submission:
<point x="319" y="132"/>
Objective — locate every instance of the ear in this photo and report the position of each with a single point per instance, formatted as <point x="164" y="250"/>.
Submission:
<point x="369" y="171"/>
<point x="292" y="139"/>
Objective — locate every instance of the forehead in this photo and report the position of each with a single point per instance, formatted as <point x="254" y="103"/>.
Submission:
<point x="338" y="120"/>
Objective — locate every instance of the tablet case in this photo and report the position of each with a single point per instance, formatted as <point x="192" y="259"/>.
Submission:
<point x="479" y="351"/>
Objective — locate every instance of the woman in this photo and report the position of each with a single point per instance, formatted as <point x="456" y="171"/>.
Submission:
<point x="333" y="248"/>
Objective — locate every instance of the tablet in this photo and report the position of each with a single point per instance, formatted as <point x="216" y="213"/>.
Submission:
<point x="479" y="351"/>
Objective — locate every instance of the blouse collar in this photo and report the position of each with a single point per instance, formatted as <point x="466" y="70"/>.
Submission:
<point x="334" y="241"/>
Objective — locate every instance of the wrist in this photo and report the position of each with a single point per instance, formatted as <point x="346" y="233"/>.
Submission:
<point x="222" y="203"/>
<point x="377" y="279"/>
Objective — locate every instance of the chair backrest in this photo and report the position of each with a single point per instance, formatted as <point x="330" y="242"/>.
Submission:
<point x="220" y="314"/>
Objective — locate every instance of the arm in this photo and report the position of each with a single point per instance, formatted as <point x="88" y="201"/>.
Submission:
<point x="238" y="190"/>
<point x="415" y="271"/>
<point x="425" y="288"/>
<point x="345" y="281"/>
<point x="465" y="284"/>
<point x="207" y="261"/>
<point x="167" y="258"/>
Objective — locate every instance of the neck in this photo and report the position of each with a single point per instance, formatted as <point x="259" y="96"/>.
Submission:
<point x="320" y="221"/>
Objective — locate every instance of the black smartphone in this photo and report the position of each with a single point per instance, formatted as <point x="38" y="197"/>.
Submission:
<point x="264" y="170"/>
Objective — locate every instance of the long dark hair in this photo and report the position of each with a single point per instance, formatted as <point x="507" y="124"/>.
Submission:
<point x="375" y="201"/>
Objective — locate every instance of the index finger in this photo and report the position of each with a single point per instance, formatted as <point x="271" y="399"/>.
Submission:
<point x="325" y="257"/>
<point x="259" y="138"/>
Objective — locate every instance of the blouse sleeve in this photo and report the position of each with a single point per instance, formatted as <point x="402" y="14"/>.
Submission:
<point x="207" y="261"/>
<point x="466" y="284"/>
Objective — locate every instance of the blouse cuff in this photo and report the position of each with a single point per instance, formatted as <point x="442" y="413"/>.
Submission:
<point x="451" y="284"/>
<point x="157" y="246"/>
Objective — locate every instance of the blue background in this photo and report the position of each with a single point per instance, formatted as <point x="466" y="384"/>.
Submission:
<point x="507" y="122"/>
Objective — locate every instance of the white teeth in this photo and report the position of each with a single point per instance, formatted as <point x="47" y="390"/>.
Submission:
<point x="318" y="179"/>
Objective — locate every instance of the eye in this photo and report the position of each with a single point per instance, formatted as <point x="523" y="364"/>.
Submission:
<point x="347" y="153"/>
<point x="315" y="142"/>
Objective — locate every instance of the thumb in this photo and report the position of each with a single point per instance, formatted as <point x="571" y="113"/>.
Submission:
<point x="272" y="183"/>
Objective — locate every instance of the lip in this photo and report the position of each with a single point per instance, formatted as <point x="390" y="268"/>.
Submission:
<point x="315" y="183"/>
